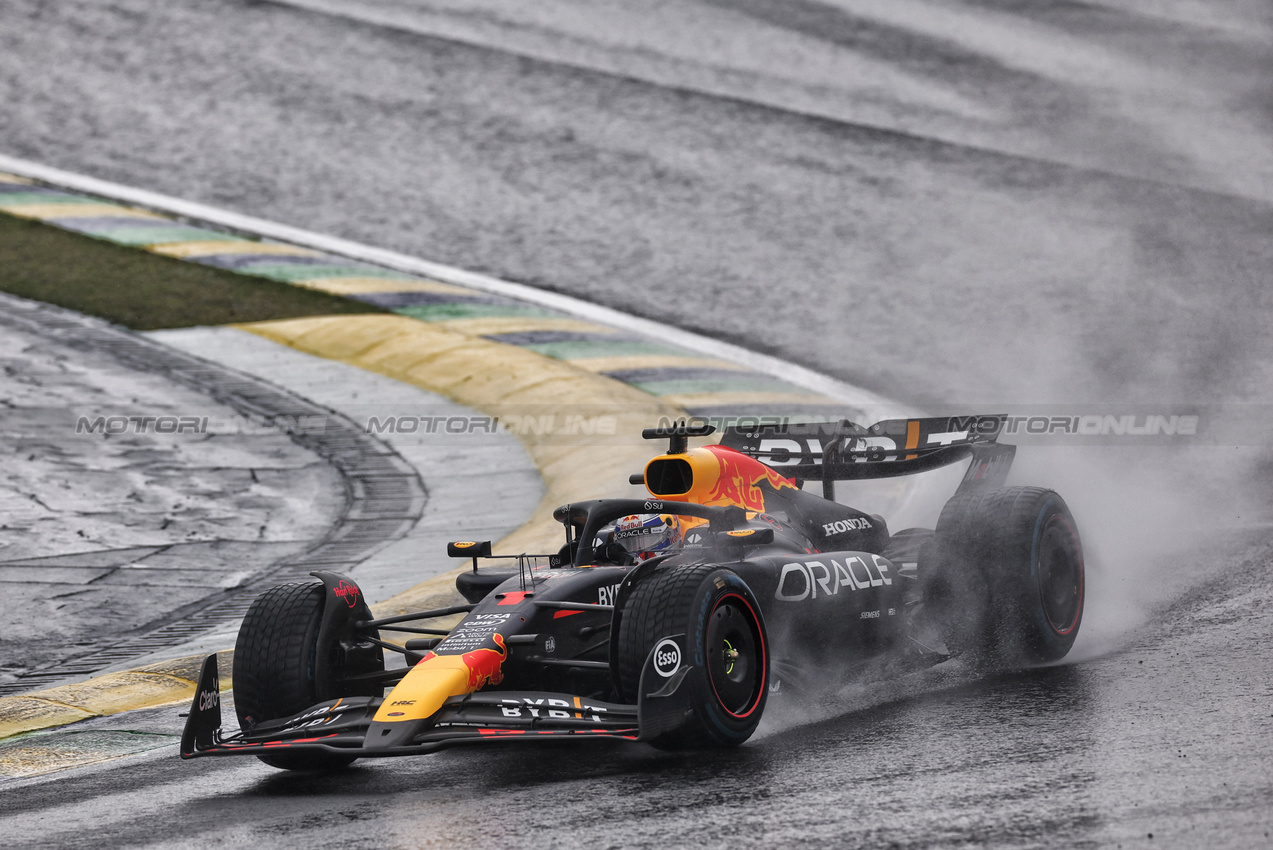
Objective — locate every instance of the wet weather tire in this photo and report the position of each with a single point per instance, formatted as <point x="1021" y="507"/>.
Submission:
<point x="276" y="660"/>
<point x="1004" y="571"/>
<point x="727" y="648"/>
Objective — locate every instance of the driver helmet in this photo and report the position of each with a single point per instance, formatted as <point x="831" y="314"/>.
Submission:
<point x="647" y="535"/>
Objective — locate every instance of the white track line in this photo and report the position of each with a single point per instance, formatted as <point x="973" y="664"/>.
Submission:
<point x="799" y="375"/>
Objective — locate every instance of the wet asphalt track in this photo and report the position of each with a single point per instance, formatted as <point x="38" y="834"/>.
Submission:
<point x="1034" y="265"/>
<point x="1170" y="737"/>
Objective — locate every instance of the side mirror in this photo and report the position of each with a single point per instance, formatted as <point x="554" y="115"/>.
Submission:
<point x="469" y="549"/>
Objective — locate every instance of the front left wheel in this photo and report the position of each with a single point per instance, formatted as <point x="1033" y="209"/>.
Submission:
<point x="726" y="644"/>
<point x="276" y="666"/>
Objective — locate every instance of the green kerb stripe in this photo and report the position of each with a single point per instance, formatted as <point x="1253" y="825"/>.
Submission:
<point x="600" y="348"/>
<point x="134" y="236"/>
<point x="445" y="312"/>
<point x="289" y="272"/>
<point x="23" y="198"/>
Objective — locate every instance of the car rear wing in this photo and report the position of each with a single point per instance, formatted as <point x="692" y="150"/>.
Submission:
<point x="845" y="451"/>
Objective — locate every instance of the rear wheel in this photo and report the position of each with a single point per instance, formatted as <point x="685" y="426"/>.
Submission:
<point x="1004" y="575"/>
<point x="276" y="666"/>
<point x="726" y="643"/>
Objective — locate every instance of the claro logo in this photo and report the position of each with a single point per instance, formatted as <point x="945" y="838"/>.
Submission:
<point x="801" y="581"/>
<point x="209" y="699"/>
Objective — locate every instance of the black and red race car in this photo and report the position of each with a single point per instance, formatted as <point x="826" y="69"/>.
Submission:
<point x="670" y="619"/>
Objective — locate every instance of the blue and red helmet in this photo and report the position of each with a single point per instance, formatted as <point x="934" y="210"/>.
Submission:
<point x="647" y="535"/>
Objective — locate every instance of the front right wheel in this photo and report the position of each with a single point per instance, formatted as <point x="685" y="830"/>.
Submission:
<point x="726" y="642"/>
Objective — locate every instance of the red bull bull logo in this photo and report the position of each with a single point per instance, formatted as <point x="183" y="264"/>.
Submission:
<point x="486" y="665"/>
<point x="716" y="475"/>
<point x="436" y="678"/>
<point x="740" y="477"/>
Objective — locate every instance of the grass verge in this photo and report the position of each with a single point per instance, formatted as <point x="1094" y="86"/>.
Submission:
<point x="141" y="290"/>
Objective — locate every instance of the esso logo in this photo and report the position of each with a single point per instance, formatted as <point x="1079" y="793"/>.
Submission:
<point x="667" y="658"/>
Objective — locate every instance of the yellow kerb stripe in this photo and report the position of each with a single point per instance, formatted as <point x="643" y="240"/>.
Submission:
<point x="368" y="285"/>
<point x="47" y="211"/>
<point x="188" y="250"/>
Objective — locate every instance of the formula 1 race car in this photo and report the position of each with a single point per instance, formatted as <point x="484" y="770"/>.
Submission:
<point x="670" y="619"/>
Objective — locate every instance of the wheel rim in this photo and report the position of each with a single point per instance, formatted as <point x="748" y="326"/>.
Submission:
<point x="735" y="656"/>
<point x="1060" y="573"/>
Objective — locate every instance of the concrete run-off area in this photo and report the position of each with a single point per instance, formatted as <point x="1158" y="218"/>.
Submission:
<point x="102" y="534"/>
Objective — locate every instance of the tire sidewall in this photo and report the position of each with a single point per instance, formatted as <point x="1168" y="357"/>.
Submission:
<point x="723" y="725"/>
<point x="1051" y="641"/>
